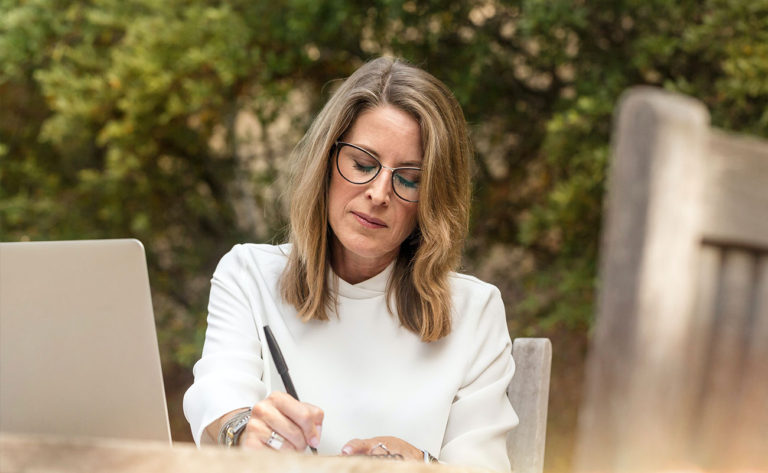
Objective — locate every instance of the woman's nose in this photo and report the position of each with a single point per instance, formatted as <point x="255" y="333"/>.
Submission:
<point x="379" y="190"/>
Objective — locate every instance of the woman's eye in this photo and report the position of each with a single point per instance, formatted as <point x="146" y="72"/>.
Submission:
<point x="364" y="167"/>
<point x="405" y="182"/>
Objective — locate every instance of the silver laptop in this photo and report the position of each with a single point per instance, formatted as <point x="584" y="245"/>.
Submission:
<point x="78" y="348"/>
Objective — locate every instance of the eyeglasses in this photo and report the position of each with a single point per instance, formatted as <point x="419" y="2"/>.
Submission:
<point x="359" y="166"/>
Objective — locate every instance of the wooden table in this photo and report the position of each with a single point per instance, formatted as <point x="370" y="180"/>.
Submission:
<point x="28" y="454"/>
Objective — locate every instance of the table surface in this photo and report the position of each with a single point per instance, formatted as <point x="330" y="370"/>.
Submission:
<point x="52" y="454"/>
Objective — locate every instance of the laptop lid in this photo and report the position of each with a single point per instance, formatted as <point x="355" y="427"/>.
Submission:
<point x="78" y="349"/>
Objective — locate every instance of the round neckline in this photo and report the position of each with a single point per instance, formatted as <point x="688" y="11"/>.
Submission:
<point x="372" y="287"/>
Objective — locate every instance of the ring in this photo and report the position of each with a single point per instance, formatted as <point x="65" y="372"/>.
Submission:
<point x="275" y="441"/>
<point x="381" y="446"/>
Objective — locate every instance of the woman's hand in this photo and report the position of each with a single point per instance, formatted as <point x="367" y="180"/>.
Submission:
<point x="299" y="424"/>
<point x="383" y="446"/>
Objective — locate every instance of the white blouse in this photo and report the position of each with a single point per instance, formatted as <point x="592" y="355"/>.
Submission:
<point x="369" y="375"/>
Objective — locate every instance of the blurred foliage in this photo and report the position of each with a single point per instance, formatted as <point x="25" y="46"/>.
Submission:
<point x="122" y="119"/>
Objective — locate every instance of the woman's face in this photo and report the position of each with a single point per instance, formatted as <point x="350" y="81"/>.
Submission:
<point x="370" y="221"/>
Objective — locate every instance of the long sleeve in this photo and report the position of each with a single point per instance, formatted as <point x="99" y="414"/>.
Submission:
<point x="481" y="414"/>
<point x="229" y="374"/>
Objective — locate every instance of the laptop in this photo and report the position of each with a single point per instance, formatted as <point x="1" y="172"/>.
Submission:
<point x="78" y="348"/>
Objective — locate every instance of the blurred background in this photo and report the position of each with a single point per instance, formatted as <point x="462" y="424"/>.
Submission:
<point x="172" y="121"/>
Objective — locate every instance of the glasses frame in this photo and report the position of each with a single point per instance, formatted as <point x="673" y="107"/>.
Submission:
<point x="337" y="150"/>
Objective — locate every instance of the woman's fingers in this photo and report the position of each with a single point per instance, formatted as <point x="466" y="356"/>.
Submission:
<point x="358" y="447"/>
<point x="298" y="423"/>
<point x="257" y="435"/>
<point x="307" y="417"/>
<point x="274" y="420"/>
<point x="382" y="446"/>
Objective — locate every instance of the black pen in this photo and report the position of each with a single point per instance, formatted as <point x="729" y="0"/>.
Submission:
<point x="282" y="368"/>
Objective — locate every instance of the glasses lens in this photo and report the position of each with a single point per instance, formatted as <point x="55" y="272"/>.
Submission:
<point x="406" y="183"/>
<point x="356" y="165"/>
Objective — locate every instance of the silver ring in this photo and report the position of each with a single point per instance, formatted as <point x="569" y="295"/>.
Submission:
<point x="275" y="441"/>
<point x="381" y="446"/>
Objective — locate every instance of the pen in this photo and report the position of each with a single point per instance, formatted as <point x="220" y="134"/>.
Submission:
<point x="282" y="368"/>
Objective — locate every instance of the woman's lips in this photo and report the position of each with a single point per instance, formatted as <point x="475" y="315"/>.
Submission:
<point x="368" y="221"/>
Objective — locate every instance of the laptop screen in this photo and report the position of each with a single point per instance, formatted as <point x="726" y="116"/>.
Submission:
<point x="78" y="348"/>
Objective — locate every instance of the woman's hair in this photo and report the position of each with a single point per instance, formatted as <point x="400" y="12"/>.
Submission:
<point x="419" y="283"/>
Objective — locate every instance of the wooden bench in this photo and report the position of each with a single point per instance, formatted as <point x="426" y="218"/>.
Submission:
<point x="677" y="375"/>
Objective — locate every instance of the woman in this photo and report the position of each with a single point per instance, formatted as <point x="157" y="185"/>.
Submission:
<point x="389" y="350"/>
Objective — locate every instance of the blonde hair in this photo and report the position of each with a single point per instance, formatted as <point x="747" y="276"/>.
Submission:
<point x="419" y="283"/>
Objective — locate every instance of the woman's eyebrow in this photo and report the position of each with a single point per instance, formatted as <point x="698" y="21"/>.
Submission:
<point x="410" y="164"/>
<point x="400" y="164"/>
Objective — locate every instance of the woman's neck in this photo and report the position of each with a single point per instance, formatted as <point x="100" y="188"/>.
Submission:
<point x="354" y="268"/>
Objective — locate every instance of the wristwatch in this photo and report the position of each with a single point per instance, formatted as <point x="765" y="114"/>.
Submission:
<point x="230" y="432"/>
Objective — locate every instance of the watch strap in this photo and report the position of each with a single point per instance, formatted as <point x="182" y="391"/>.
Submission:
<point x="229" y="435"/>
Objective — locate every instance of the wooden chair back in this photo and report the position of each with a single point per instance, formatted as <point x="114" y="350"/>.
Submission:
<point x="529" y="394"/>
<point x="677" y="374"/>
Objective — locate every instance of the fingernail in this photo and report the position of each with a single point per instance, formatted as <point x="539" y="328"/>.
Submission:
<point x="346" y="450"/>
<point x="319" y="428"/>
<point x="314" y="442"/>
